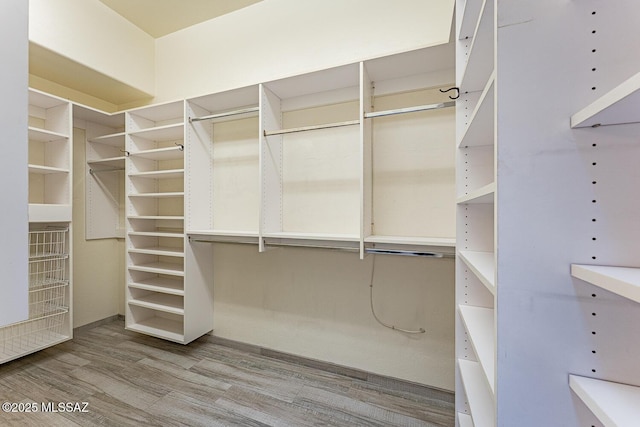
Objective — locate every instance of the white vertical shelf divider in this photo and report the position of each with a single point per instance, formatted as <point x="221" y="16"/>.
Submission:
<point x="476" y="286"/>
<point x="366" y="153"/>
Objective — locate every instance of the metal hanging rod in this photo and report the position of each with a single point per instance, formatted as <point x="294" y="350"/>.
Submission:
<point x="407" y="253"/>
<point x="225" y="114"/>
<point x="315" y="127"/>
<point x="92" y="171"/>
<point x="295" y="245"/>
<point x="409" y="109"/>
<point x="235" y="242"/>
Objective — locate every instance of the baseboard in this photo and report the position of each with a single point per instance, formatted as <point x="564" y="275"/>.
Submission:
<point x="388" y="382"/>
<point x="98" y="323"/>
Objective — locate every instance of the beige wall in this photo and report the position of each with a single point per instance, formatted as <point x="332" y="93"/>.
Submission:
<point x="280" y="38"/>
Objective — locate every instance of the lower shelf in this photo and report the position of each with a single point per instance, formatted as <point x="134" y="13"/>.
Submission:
<point x="478" y="394"/>
<point x="160" y="302"/>
<point x="160" y="327"/>
<point x="614" y="404"/>
<point x="49" y="213"/>
<point x="464" y="420"/>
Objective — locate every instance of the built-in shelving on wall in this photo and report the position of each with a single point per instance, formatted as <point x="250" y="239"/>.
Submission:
<point x="223" y="201"/>
<point x="613" y="398"/>
<point x="408" y="200"/>
<point x="476" y="196"/>
<point x="50" y="158"/>
<point x="310" y="159"/>
<point x="104" y="172"/>
<point x="50" y="205"/>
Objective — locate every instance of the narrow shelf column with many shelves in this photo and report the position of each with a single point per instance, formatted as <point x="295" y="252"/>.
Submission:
<point x="159" y="301"/>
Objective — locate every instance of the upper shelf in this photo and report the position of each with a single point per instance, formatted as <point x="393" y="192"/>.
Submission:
<point x="44" y="135"/>
<point x="168" y="132"/>
<point x="485" y="194"/>
<point x="614" y="404"/>
<point x="114" y="139"/>
<point x="618" y="106"/>
<point x="624" y="281"/>
<point x="480" y="62"/>
<point x="480" y="130"/>
<point x="469" y="18"/>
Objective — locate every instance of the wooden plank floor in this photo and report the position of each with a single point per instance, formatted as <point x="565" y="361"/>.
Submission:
<point x="131" y="379"/>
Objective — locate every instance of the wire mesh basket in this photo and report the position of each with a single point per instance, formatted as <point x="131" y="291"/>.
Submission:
<point x="47" y="300"/>
<point x="27" y="336"/>
<point x="47" y="242"/>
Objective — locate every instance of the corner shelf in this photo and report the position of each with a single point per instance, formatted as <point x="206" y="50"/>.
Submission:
<point x="614" y="404"/>
<point x="624" y="281"/>
<point x="618" y="106"/>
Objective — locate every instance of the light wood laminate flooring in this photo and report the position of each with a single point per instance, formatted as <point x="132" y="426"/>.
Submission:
<point x="131" y="379"/>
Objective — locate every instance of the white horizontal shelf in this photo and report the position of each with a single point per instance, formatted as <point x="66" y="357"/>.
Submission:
<point x="45" y="170"/>
<point x="160" y="174"/>
<point x="240" y="114"/>
<point x="156" y="234"/>
<point x="624" y="281"/>
<point x="480" y="60"/>
<point x="469" y="21"/>
<point x="160" y="327"/>
<point x="160" y="302"/>
<point x="44" y="135"/>
<point x="479" y="396"/>
<point x="159" y="250"/>
<point x="169" y="132"/>
<point x="157" y="217"/>
<point x="165" y="285"/>
<point x="464" y="420"/>
<point x="618" y="106"/>
<point x="160" y="268"/>
<point x="479" y="323"/>
<point x="482" y="195"/>
<point x="412" y="241"/>
<point x="312" y="236"/>
<point x="222" y="236"/>
<point x="114" y="139"/>
<point x="614" y="404"/>
<point x="168" y="153"/>
<point x="49" y="212"/>
<point x="480" y="130"/>
<point x="168" y="194"/>
<point x="111" y="163"/>
<point x="482" y="264"/>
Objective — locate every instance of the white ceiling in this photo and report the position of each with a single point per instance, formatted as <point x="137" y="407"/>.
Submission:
<point x="162" y="17"/>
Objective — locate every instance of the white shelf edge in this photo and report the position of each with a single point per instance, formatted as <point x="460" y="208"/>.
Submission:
<point x="172" y="126"/>
<point x="482" y="264"/>
<point x="160" y="268"/>
<point x="45" y="170"/>
<point x="156" y="234"/>
<point x="158" y="287"/>
<point x="161" y="251"/>
<point x="478" y="394"/>
<point x="479" y="323"/>
<point x="166" y="153"/>
<point x="157" y="217"/>
<point x="484" y="195"/>
<point x="312" y="236"/>
<point x="414" y="241"/>
<point x="44" y="135"/>
<point x="155" y="302"/>
<point x="623" y="281"/>
<point x="629" y="90"/>
<point x="614" y="404"/>
<point x="168" y="173"/>
<point x="158" y="195"/>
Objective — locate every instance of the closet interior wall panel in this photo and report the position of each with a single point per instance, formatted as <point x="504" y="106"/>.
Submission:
<point x="558" y="205"/>
<point x="13" y="163"/>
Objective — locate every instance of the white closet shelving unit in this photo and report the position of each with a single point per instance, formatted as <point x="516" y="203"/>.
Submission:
<point x="476" y="189"/>
<point x="613" y="399"/>
<point x="223" y="191"/>
<point x="49" y="275"/>
<point x="159" y="301"/>
<point x="105" y="158"/>
<point x="310" y="166"/>
<point x="408" y="186"/>
<point x="50" y="158"/>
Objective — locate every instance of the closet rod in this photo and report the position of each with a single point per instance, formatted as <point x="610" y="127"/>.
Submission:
<point x="315" y="127"/>
<point x="225" y="114"/>
<point x="294" y="245"/>
<point x="92" y="171"/>
<point x="409" y="109"/>
<point x="235" y="242"/>
<point x="408" y="253"/>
